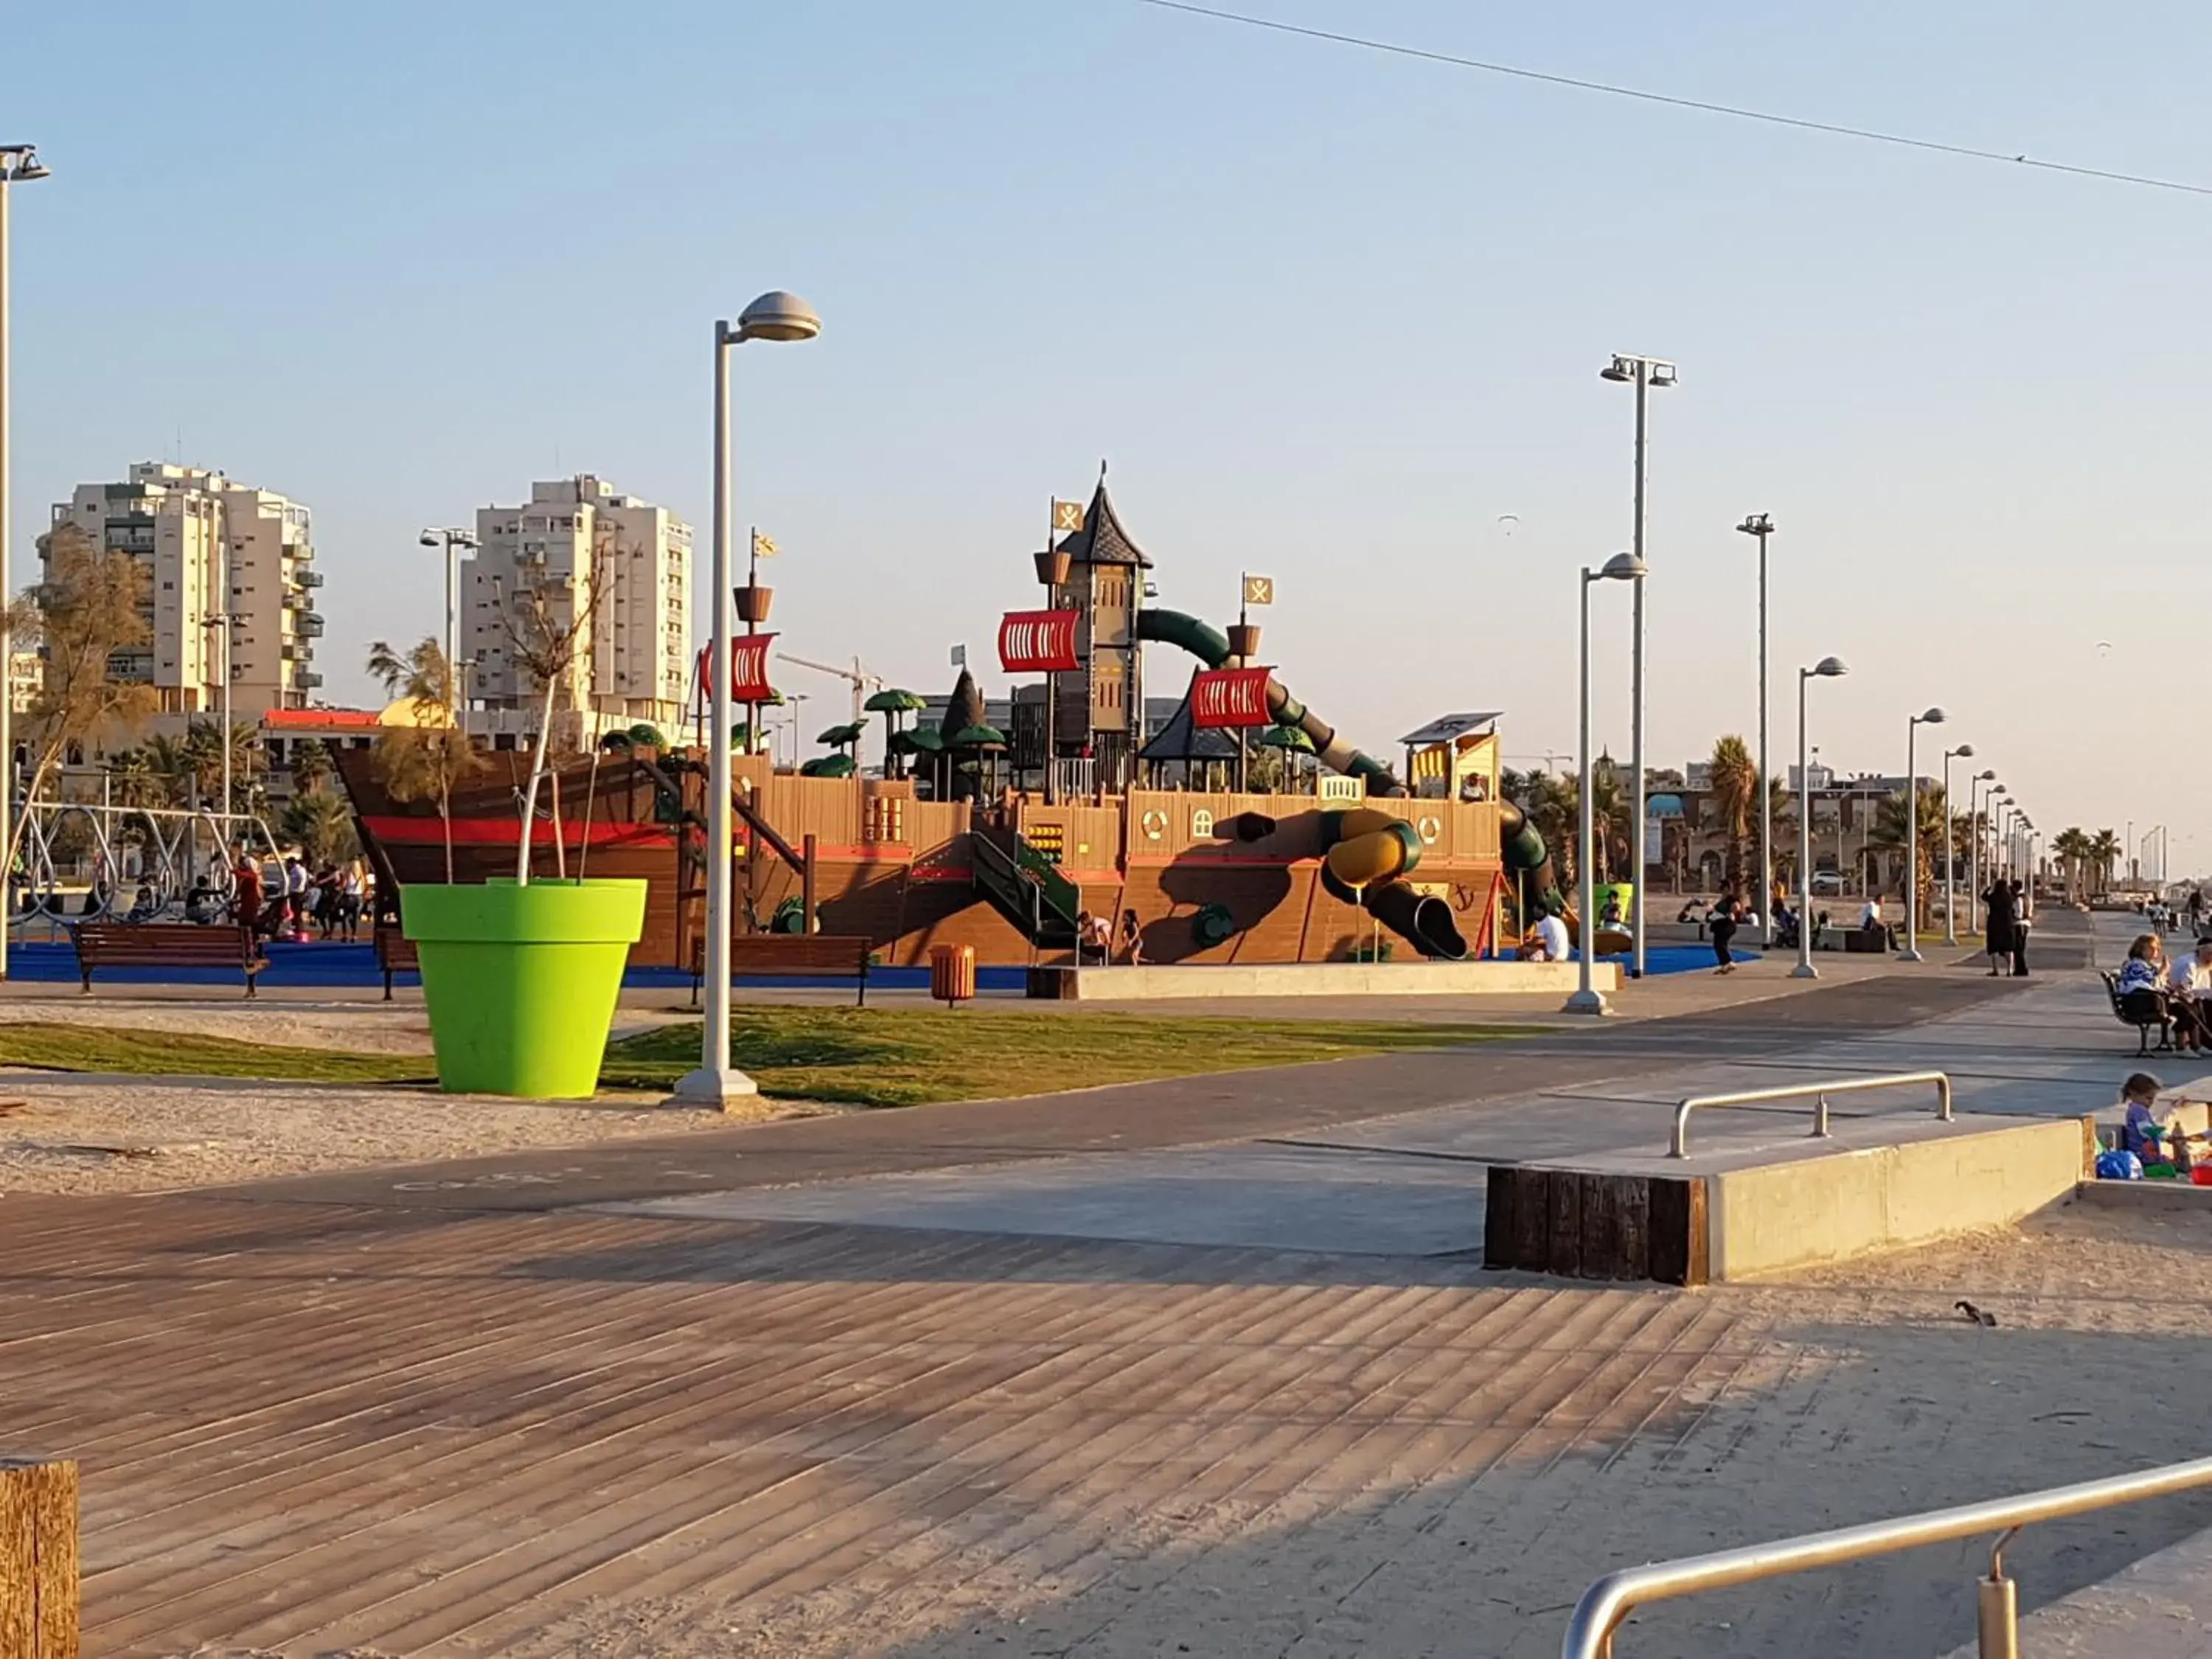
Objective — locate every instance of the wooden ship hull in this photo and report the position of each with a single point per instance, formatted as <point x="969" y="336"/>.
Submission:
<point x="1211" y="876"/>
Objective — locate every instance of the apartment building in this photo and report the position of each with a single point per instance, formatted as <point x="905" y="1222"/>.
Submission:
<point x="198" y="530"/>
<point x="579" y="542"/>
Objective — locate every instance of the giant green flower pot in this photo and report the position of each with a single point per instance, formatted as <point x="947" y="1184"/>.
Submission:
<point x="521" y="981"/>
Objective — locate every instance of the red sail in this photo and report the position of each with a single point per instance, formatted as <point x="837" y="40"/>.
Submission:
<point x="748" y="668"/>
<point x="1038" y="641"/>
<point x="1229" y="697"/>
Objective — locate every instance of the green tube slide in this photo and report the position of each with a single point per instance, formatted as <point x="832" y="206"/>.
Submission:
<point x="1527" y="861"/>
<point x="1210" y="647"/>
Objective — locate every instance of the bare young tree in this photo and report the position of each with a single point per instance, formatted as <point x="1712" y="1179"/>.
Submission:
<point x="88" y="611"/>
<point x="548" y="622"/>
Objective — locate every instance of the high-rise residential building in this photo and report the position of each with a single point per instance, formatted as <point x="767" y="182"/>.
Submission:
<point x="196" y="530"/>
<point x="578" y="542"/>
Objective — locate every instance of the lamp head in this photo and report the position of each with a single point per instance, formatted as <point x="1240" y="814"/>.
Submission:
<point x="778" y="315"/>
<point x="19" y="162"/>
<point x="431" y="538"/>
<point x="1624" y="568"/>
<point x="1987" y="777"/>
<point x="1621" y="369"/>
<point x="1660" y="374"/>
<point x="1757" y="524"/>
<point x="1932" y="717"/>
<point x="1964" y="752"/>
<point x="1829" y="668"/>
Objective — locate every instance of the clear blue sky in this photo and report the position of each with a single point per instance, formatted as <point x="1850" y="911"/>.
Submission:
<point x="1330" y="315"/>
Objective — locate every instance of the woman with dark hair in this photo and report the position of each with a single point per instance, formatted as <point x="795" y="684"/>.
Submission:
<point x="1727" y="909"/>
<point x="2001" y="928"/>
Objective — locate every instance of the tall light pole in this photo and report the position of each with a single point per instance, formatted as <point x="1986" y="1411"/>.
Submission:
<point x="1964" y="752"/>
<point x="774" y="316"/>
<point x="2000" y="838"/>
<point x="1975" y="830"/>
<point x="1642" y="372"/>
<point x="1588" y="998"/>
<point x="220" y="622"/>
<point x="18" y="162"/>
<point x="1828" y="668"/>
<point x="1912" y="951"/>
<point x="1761" y="524"/>
<point x="452" y="541"/>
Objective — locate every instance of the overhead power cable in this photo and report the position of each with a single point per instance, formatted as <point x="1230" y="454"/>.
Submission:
<point x="1834" y="128"/>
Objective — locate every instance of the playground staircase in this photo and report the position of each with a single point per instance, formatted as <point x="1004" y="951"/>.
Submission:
<point x="1027" y="887"/>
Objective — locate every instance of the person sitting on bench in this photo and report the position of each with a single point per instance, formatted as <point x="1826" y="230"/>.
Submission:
<point x="2141" y="991"/>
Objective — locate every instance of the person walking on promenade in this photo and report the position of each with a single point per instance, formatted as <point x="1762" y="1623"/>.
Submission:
<point x="353" y="890"/>
<point x="1727" y="909"/>
<point x="2001" y="915"/>
<point x="2021" y="921"/>
<point x="246" y="893"/>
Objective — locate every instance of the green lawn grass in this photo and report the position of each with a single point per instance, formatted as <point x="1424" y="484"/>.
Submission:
<point x="52" y="1046"/>
<point x="907" y="1057"/>
<point x="851" y="1056"/>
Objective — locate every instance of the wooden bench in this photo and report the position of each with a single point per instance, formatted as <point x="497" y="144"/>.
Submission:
<point x="793" y="956"/>
<point x="395" y="954"/>
<point x="166" y="945"/>
<point x="2143" y="1009"/>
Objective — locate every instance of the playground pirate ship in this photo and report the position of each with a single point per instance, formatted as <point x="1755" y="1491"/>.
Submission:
<point x="973" y="838"/>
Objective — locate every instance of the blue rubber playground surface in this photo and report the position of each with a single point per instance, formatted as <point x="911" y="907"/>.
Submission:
<point x="353" y="967"/>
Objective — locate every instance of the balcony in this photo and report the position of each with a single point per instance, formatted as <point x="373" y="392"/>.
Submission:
<point x="310" y="627"/>
<point x="309" y="578"/>
<point x="307" y="679"/>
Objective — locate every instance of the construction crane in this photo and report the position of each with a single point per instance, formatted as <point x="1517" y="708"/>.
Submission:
<point x="857" y="677"/>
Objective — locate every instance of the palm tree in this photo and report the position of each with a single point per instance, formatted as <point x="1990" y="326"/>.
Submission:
<point x="1608" y="820"/>
<point x="1733" y="789"/>
<point x="320" y="824"/>
<point x="424" y="761"/>
<point x="311" y="766"/>
<point x="166" y="759"/>
<point x="2074" y="850"/>
<point x="2104" y="848"/>
<point x="1889" y="831"/>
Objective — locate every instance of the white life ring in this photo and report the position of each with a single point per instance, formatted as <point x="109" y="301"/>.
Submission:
<point x="1429" y="828"/>
<point x="1155" y="823"/>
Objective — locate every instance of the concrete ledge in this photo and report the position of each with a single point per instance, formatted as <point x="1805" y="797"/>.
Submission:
<point x="1769" y="1218"/>
<point x="1317" y="979"/>
<point x="2146" y="1195"/>
<point x="1743" y="1211"/>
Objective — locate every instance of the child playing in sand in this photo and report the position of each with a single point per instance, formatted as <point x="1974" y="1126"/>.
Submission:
<point x="2144" y="1134"/>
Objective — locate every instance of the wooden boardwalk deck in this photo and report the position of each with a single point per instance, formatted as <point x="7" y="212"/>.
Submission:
<point x="306" y="1429"/>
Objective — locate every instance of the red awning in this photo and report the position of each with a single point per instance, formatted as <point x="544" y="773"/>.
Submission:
<point x="1038" y="641"/>
<point x="748" y="668"/>
<point x="1229" y="697"/>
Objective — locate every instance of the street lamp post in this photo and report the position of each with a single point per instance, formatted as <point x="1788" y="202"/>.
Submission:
<point x="452" y="541"/>
<point x="18" y="162"/>
<point x="774" y="316"/>
<point x="1642" y="372"/>
<point x="1912" y="951"/>
<point x="1588" y="998"/>
<point x="1828" y="668"/>
<point x="1761" y="524"/>
<point x="1964" y="752"/>
<point x="220" y="622"/>
<point x="1975" y="830"/>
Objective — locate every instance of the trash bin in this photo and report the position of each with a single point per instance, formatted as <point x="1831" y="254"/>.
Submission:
<point x="952" y="973"/>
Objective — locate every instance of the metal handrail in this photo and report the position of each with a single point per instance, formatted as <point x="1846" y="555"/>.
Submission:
<point x="1608" y="1601"/>
<point x="1679" y="1147"/>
